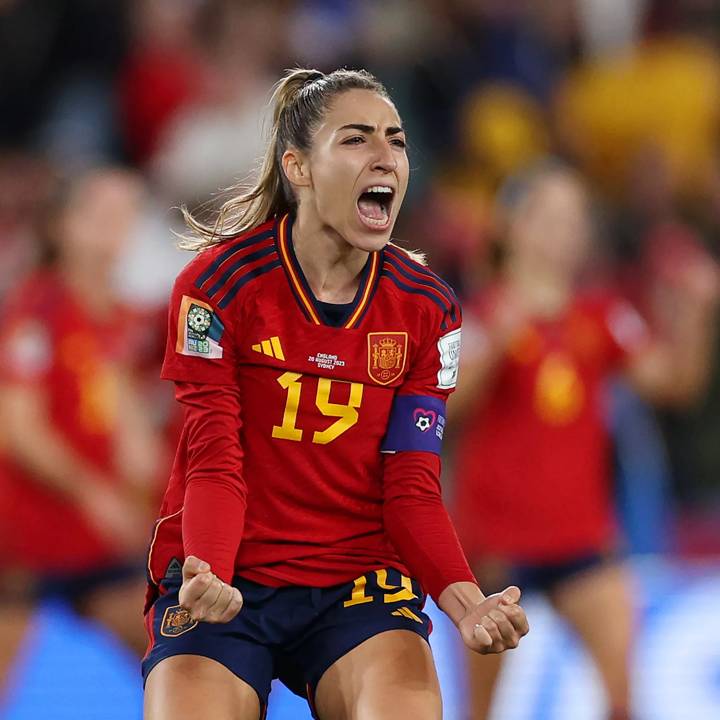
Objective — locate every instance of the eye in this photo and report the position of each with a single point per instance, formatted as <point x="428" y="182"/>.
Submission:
<point x="354" y="140"/>
<point x="399" y="142"/>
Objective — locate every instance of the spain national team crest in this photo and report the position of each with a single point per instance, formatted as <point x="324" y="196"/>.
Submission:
<point x="387" y="352"/>
<point x="176" y="621"/>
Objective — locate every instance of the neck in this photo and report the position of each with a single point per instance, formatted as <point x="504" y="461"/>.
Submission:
<point x="545" y="291"/>
<point x="91" y="286"/>
<point x="330" y="264"/>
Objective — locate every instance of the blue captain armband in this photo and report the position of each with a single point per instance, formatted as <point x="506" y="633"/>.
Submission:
<point x="417" y="422"/>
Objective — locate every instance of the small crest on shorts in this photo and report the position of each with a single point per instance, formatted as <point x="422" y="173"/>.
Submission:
<point x="176" y="621"/>
<point x="387" y="352"/>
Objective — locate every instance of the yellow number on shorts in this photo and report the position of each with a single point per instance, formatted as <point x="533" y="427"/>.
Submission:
<point x="400" y="592"/>
<point x="347" y="414"/>
<point x="404" y="591"/>
<point x="358" y="596"/>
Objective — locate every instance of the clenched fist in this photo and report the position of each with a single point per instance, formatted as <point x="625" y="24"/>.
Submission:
<point x="496" y="624"/>
<point x="205" y="596"/>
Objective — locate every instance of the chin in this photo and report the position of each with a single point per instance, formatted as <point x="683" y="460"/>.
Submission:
<point x="369" y="239"/>
<point x="367" y="242"/>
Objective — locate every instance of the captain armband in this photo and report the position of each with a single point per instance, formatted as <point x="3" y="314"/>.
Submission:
<point x="417" y="422"/>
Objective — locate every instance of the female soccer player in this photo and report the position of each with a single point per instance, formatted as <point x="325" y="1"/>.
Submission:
<point x="533" y="483"/>
<point x="78" y="457"/>
<point x="313" y="360"/>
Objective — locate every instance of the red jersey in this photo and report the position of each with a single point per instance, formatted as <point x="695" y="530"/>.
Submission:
<point x="533" y="482"/>
<point x="317" y="406"/>
<point x="49" y="341"/>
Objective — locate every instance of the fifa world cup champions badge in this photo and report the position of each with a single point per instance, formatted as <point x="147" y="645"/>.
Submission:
<point x="387" y="353"/>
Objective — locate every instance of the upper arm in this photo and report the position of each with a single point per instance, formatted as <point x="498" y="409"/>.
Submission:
<point x="417" y="418"/>
<point x="201" y="341"/>
<point x="26" y="358"/>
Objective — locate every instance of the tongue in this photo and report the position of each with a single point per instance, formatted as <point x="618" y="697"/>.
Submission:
<point x="372" y="209"/>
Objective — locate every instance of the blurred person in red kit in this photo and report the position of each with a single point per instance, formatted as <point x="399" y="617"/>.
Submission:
<point x="534" y="492"/>
<point x="78" y="455"/>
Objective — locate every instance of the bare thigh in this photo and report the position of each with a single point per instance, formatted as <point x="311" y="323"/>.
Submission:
<point x="389" y="675"/>
<point x="597" y="605"/>
<point x="15" y="620"/>
<point x="118" y="606"/>
<point x="483" y="672"/>
<point x="191" y="687"/>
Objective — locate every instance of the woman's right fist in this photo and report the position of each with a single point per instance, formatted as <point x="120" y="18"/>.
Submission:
<point x="205" y="596"/>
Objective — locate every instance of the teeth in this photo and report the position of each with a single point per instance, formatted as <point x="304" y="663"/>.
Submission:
<point x="372" y="221"/>
<point x="380" y="189"/>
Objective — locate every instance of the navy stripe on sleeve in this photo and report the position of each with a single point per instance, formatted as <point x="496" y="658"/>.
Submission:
<point x="227" y="254"/>
<point x="237" y="265"/>
<point x="246" y="278"/>
<point x="386" y="272"/>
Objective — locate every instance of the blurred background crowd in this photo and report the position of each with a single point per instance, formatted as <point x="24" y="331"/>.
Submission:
<point x="113" y="114"/>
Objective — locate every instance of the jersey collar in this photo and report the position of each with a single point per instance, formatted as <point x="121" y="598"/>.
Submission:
<point x="311" y="308"/>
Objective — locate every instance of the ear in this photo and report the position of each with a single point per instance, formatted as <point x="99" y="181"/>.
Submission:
<point x="296" y="167"/>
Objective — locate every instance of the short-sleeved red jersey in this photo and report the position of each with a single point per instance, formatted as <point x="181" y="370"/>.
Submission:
<point x="51" y="342"/>
<point x="315" y="399"/>
<point x="532" y="469"/>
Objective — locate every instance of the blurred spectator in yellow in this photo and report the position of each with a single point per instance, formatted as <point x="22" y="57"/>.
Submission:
<point x="664" y="95"/>
<point x="502" y="129"/>
<point x="78" y="457"/>
<point x="533" y="492"/>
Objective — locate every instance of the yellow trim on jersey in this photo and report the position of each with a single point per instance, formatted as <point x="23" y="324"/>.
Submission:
<point x="291" y="271"/>
<point x="366" y="294"/>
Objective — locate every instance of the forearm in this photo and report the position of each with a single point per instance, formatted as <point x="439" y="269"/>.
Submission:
<point x="40" y="449"/>
<point x="692" y="354"/>
<point x="458" y="599"/>
<point x="417" y="522"/>
<point x="675" y="369"/>
<point x="215" y="493"/>
<point x="139" y="453"/>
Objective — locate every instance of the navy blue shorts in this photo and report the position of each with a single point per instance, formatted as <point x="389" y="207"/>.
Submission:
<point x="292" y="633"/>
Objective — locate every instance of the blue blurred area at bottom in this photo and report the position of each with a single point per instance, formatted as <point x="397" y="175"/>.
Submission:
<point x="69" y="668"/>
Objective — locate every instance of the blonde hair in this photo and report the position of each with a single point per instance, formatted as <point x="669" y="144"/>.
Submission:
<point x="299" y="102"/>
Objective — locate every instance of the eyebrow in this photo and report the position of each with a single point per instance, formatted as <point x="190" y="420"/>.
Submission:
<point x="393" y="130"/>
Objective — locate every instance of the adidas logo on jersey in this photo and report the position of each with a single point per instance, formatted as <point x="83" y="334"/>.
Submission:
<point x="408" y="613"/>
<point x="271" y="347"/>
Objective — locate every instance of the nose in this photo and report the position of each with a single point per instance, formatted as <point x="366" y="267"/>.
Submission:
<point x="384" y="159"/>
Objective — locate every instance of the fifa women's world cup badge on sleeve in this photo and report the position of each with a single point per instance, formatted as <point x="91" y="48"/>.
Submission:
<point x="449" y="349"/>
<point x="387" y="353"/>
<point x="199" y="330"/>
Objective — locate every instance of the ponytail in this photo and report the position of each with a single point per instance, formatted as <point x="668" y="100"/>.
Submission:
<point x="299" y="102"/>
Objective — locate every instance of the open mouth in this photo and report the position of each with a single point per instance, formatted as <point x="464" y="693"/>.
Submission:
<point x="374" y="206"/>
